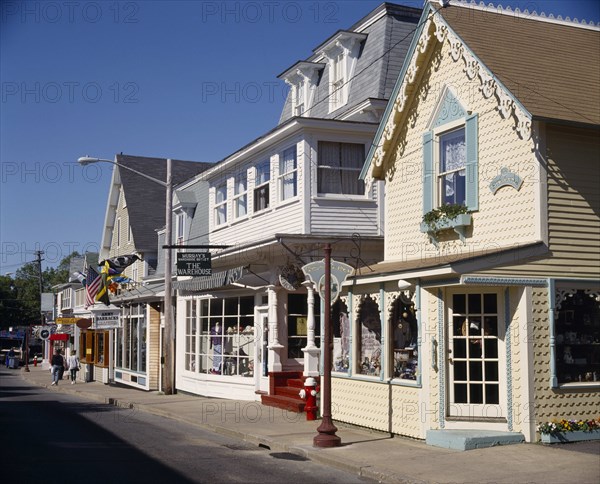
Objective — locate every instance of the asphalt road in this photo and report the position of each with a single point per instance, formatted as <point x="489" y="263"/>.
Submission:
<point x="49" y="437"/>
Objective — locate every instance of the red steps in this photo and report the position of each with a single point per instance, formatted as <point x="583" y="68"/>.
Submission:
<point x="284" y="389"/>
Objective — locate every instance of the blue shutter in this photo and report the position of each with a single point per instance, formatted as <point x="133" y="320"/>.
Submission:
<point x="428" y="172"/>
<point x="471" y="167"/>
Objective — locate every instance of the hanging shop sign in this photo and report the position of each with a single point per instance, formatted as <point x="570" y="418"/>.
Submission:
<point x="339" y="271"/>
<point x="194" y="264"/>
<point x="106" y="319"/>
<point x="67" y="320"/>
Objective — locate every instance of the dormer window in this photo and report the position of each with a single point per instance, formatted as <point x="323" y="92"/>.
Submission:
<point x="302" y="78"/>
<point x="341" y="52"/>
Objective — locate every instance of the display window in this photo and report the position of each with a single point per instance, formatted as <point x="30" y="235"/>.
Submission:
<point x="577" y="336"/>
<point x="130" y="345"/>
<point x="369" y="331"/>
<point x="340" y="320"/>
<point x="297" y="319"/>
<point x="404" y="338"/>
<point x="87" y="347"/>
<point x="219" y="336"/>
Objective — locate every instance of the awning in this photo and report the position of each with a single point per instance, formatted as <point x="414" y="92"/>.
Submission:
<point x="59" y="337"/>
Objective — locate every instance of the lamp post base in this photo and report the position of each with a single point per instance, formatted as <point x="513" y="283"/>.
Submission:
<point x="326" y="436"/>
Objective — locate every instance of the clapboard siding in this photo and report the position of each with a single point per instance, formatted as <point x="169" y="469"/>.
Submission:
<point x="337" y="217"/>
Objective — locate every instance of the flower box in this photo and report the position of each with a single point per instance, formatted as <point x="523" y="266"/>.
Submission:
<point x="458" y="223"/>
<point x="575" y="436"/>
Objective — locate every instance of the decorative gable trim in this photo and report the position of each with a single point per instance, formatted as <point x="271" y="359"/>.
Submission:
<point x="449" y="109"/>
<point x="435" y="30"/>
<point x="302" y="78"/>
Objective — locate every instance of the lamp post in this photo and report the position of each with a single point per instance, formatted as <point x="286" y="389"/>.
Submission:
<point x="169" y="339"/>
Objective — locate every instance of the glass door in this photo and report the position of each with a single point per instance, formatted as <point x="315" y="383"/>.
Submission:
<point x="475" y="356"/>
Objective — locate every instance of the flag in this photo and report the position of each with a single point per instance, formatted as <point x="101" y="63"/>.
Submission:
<point x="102" y="294"/>
<point x="116" y="265"/>
<point x="79" y="276"/>
<point x="93" y="281"/>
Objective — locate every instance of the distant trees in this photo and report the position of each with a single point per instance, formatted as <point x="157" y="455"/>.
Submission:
<point x="20" y="296"/>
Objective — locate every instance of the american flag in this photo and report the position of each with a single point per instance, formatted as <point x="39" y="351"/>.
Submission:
<point x="93" y="281"/>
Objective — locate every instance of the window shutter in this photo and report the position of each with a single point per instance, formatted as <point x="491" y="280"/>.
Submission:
<point x="472" y="170"/>
<point x="428" y="172"/>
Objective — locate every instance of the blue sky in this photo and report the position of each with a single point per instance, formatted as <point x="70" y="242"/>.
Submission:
<point x="187" y="80"/>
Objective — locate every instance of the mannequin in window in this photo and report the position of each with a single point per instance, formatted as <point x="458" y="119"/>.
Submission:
<point x="216" y="342"/>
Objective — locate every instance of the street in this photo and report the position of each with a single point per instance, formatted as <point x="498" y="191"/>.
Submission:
<point x="52" y="437"/>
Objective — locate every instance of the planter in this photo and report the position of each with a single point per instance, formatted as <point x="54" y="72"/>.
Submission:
<point x="563" y="437"/>
<point x="458" y="223"/>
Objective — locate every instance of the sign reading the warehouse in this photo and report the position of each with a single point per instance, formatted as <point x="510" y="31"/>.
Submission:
<point x="194" y="264"/>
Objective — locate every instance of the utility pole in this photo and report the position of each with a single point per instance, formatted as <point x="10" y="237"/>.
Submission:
<point x="39" y="254"/>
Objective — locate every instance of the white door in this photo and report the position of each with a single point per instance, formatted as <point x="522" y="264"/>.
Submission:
<point x="261" y="353"/>
<point x="476" y="355"/>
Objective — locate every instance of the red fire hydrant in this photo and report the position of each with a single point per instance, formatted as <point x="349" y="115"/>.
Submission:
<point x="35" y="360"/>
<point x="309" y="393"/>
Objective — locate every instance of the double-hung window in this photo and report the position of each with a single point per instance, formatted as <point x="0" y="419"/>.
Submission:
<point x="221" y="204"/>
<point x="298" y="98"/>
<point x="450" y="165"/>
<point x="337" y="82"/>
<point x="451" y="170"/>
<point x="240" y="196"/>
<point x="339" y="165"/>
<point x="261" y="186"/>
<point x="180" y="224"/>
<point x="288" y="174"/>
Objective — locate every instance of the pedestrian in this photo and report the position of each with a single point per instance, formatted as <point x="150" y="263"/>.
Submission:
<point x="73" y="364"/>
<point x="11" y="354"/>
<point x="58" y="366"/>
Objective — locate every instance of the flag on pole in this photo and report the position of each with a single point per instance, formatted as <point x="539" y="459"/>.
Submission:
<point x="116" y="265"/>
<point x="102" y="294"/>
<point x="93" y="281"/>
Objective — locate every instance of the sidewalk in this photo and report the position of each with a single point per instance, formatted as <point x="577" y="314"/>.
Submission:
<point x="371" y="454"/>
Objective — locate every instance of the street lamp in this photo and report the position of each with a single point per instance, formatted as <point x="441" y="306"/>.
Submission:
<point x="169" y="340"/>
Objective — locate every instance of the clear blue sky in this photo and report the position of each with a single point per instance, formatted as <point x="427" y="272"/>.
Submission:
<point x="187" y="80"/>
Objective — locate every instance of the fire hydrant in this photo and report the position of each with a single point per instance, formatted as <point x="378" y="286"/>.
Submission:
<point x="309" y="393"/>
<point x="35" y="360"/>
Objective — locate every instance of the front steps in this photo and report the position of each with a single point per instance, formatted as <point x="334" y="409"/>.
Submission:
<point x="284" y="389"/>
<point x="471" y="439"/>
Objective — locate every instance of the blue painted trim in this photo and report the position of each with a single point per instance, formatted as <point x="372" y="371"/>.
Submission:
<point x="551" y="319"/>
<point x="442" y="361"/>
<point x="451" y="105"/>
<point x="508" y="343"/>
<point x="421" y="332"/>
<point x="382" y="311"/>
<point x="503" y="281"/>
<point x="390" y="105"/>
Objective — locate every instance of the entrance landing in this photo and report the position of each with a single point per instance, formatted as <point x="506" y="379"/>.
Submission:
<point x="471" y="439"/>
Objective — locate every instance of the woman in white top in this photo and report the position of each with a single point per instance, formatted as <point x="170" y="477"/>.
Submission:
<point x="73" y="364"/>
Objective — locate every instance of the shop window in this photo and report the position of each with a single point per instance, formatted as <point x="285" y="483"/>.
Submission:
<point x="340" y="320"/>
<point x="404" y="334"/>
<point x="190" y="335"/>
<point x="225" y="337"/>
<point x="87" y="347"/>
<point x="297" y="315"/>
<point x="131" y="339"/>
<point x="369" y="324"/>
<point x="577" y="336"/>
<point x="101" y="349"/>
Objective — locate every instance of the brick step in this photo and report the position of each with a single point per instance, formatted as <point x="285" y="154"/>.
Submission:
<point x="283" y="402"/>
<point x="291" y="392"/>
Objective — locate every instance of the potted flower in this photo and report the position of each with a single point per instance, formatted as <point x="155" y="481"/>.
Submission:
<point x="449" y="216"/>
<point x="569" y="430"/>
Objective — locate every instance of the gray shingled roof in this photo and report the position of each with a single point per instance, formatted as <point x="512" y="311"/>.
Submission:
<point x="146" y="199"/>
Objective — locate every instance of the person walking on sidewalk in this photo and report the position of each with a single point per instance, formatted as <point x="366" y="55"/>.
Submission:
<point x="73" y="364"/>
<point x="58" y="366"/>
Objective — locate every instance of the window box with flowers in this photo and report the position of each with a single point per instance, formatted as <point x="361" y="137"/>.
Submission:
<point x="569" y="431"/>
<point x="448" y="216"/>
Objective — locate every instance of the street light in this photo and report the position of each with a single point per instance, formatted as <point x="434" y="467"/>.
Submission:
<point x="169" y="340"/>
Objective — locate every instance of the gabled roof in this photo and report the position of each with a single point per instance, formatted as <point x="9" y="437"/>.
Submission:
<point x="145" y="198"/>
<point x="539" y="67"/>
<point x="551" y="66"/>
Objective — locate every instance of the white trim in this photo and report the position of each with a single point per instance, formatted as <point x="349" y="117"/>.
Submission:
<point x="526" y="413"/>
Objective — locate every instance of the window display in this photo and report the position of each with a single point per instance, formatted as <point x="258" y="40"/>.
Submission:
<point x="577" y="336"/>
<point x="404" y="339"/>
<point x="370" y="338"/>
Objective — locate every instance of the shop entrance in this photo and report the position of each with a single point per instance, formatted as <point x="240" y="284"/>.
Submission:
<point x="261" y="353"/>
<point x="475" y="356"/>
